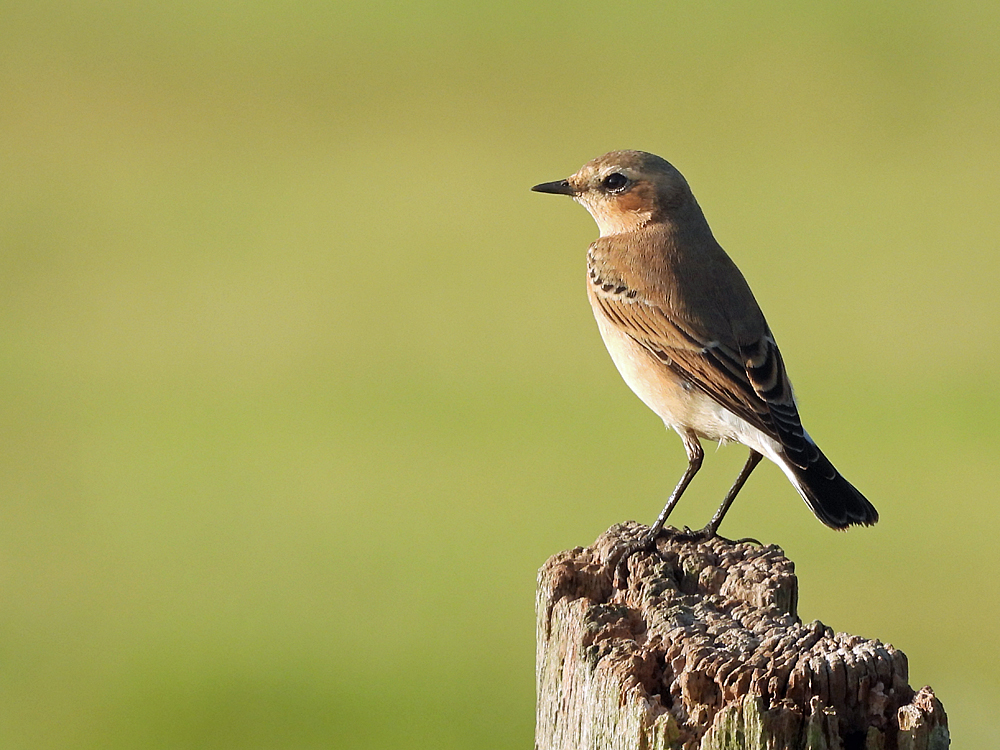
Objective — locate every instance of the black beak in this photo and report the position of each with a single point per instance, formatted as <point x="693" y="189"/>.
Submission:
<point x="560" y="187"/>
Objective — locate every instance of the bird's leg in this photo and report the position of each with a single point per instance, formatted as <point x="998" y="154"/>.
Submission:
<point x="712" y="528"/>
<point x="695" y="454"/>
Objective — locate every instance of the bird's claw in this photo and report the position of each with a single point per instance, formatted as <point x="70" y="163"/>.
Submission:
<point x="618" y="561"/>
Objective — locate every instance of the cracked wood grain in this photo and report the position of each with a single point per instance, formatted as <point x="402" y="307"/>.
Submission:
<point x="705" y="650"/>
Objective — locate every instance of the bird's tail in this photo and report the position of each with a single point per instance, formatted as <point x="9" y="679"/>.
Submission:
<point x="832" y="498"/>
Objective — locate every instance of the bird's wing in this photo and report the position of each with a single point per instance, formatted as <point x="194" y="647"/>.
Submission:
<point x="747" y="379"/>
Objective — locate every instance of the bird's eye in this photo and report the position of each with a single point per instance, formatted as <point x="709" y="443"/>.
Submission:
<point x="614" y="182"/>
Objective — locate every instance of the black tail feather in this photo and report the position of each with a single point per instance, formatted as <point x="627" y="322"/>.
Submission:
<point x="832" y="498"/>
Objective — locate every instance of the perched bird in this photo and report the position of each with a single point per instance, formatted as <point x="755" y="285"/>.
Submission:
<point x="688" y="337"/>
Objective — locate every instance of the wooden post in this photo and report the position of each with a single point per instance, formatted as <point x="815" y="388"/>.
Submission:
<point x="704" y="650"/>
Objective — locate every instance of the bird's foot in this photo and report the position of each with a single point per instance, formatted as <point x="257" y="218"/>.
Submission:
<point x="618" y="560"/>
<point x="709" y="532"/>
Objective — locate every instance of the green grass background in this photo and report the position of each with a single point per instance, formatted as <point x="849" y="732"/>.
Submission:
<point x="300" y="385"/>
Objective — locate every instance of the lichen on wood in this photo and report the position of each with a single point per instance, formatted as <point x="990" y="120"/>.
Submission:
<point x="704" y="649"/>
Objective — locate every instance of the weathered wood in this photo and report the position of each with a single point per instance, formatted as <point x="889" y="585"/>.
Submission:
<point x="704" y="649"/>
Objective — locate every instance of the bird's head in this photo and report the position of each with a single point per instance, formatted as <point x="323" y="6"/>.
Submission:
<point x="624" y="190"/>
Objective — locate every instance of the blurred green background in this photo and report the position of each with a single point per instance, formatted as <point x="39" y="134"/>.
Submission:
<point x="300" y="384"/>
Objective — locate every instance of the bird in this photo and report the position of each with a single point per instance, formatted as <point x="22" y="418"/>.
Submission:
<point x="688" y="337"/>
